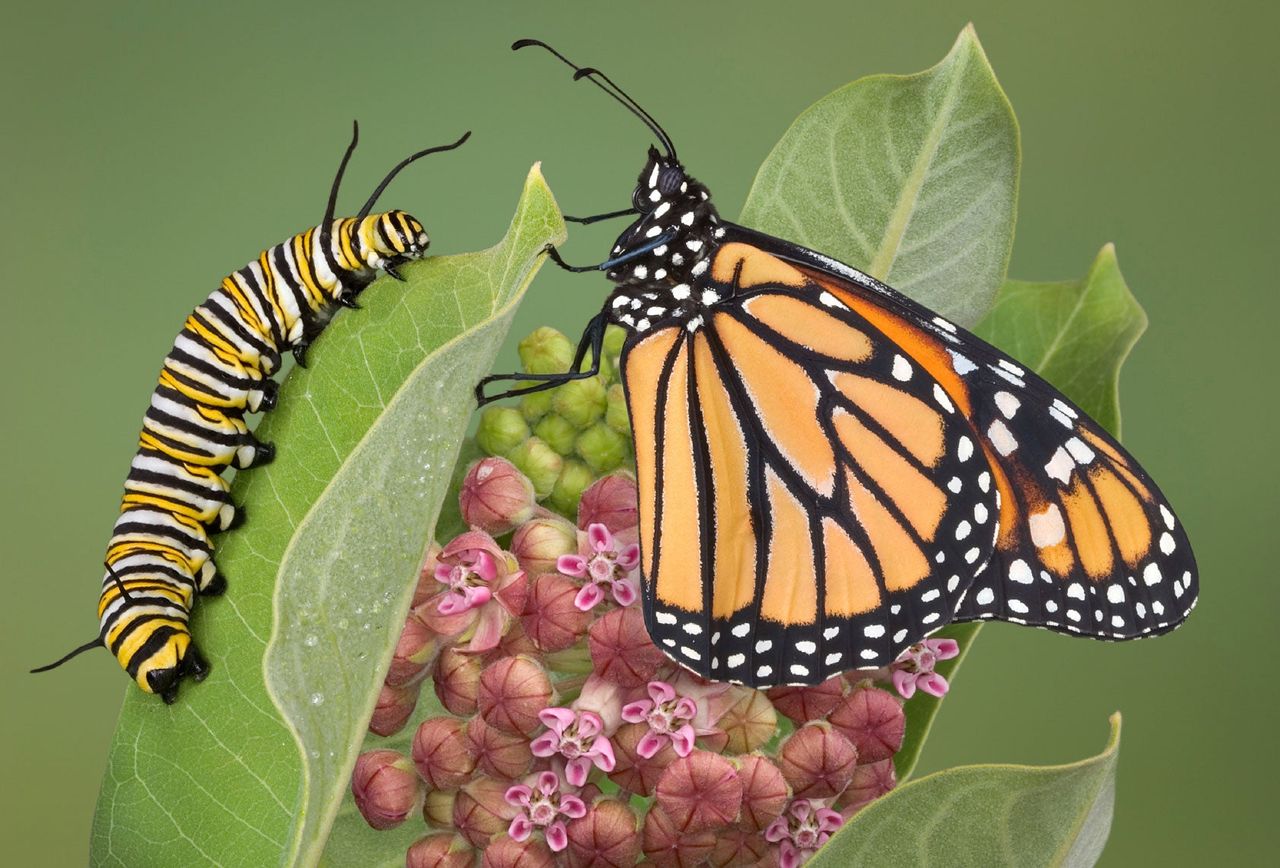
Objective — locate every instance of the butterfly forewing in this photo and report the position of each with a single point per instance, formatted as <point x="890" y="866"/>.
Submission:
<point x="812" y="500"/>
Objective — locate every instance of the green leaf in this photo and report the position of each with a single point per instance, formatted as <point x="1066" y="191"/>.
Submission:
<point x="250" y="766"/>
<point x="913" y="179"/>
<point x="1075" y="334"/>
<point x="987" y="815"/>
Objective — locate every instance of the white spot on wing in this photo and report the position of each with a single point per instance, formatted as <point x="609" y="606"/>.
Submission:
<point x="1001" y="438"/>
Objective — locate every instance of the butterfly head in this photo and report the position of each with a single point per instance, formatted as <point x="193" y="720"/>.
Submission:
<point x="671" y="242"/>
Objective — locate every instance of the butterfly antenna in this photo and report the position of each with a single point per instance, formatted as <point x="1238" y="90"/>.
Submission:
<point x="606" y="84"/>
<point x="337" y="180"/>
<point x="96" y="643"/>
<point x="368" y="206"/>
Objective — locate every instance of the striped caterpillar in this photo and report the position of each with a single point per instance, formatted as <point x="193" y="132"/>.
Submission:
<point x="220" y="368"/>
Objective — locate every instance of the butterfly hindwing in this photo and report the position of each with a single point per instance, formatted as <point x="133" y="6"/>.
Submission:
<point x="811" y="500"/>
<point x="1087" y="543"/>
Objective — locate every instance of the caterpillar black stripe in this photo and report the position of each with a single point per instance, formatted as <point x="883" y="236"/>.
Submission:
<point x="219" y="369"/>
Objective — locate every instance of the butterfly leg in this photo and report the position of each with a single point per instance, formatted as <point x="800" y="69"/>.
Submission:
<point x="596" y="218"/>
<point x="592" y="340"/>
<point x="635" y="253"/>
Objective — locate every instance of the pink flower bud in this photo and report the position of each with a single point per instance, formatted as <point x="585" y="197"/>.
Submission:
<point x="873" y="720"/>
<point x="385" y="788"/>
<point x="540" y="541"/>
<point x="515" y="642"/>
<point x="513" y="691"/>
<point x="498" y="754"/>
<point x="602" y="697"/>
<point x="551" y="619"/>
<point x="456" y="680"/>
<point x="481" y="811"/>
<point x="395" y="704"/>
<point x="437" y="809"/>
<point x="817" y="761"/>
<point x="735" y="847"/>
<point x="870" y="782"/>
<point x="666" y="844"/>
<point x="441" y="850"/>
<point x="612" y="502"/>
<point x="495" y="496"/>
<point x="764" y="792"/>
<point x="805" y="704"/>
<point x="415" y="652"/>
<point x="621" y="650"/>
<point x="504" y="852"/>
<point x="441" y="753"/>
<point x="607" y="835"/>
<point x="427" y="584"/>
<point x="748" y="723"/>
<point x="700" y="792"/>
<point x="632" y="771"/>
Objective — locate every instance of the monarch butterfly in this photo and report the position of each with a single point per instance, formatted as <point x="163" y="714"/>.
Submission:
<point x="220" y="366"/>
<point x="828" y="472"/>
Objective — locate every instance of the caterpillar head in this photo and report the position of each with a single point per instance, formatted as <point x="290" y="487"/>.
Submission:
<point x="393" y="236"/>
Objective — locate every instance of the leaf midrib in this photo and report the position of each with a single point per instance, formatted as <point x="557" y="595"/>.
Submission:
<point x="909" y="196"/>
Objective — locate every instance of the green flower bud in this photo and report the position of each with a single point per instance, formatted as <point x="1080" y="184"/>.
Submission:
<point x="574" y="479"/>
<point x="546" y="351"/>
<point x="539" y="462"/>
<point x="615" y="412"/>
<point x="501" y="430"/>
<point x="608" y="368"/>
<point x="557" y="432"/>
<point x="535" y="405"/>
<point x="614" y="338"/>
<point x="602" y="448"/>
<point x="582" y="402"/>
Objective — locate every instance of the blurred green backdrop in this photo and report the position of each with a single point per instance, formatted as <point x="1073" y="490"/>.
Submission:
<point x="149" y="148"/>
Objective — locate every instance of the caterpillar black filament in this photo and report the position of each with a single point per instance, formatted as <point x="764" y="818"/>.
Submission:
<point x="219" y="369"/>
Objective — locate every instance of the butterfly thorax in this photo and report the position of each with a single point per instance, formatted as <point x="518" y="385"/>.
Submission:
<point x="666" y="252"/>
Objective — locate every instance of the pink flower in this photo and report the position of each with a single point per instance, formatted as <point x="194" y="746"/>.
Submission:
<point x="914" y="667"/>
<point x="668" y="716"/>
<point x="579" y="737"/>
<point x="801" y="830"/>
<point x="606" y="564"/>
<point x="543" y="806"/>
<point x="482" y="579"/>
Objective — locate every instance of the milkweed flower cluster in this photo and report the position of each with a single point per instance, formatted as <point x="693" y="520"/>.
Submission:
<point x="529" y="720"/>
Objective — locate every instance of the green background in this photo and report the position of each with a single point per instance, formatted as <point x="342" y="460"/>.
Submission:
<point x="149" y="149"/>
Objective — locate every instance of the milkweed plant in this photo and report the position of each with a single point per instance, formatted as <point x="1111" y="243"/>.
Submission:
<point x="500" y="703"/>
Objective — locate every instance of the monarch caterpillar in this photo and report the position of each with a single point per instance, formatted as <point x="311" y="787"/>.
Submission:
<point x="219" y="369"/>
<point x="828" y="471"/>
